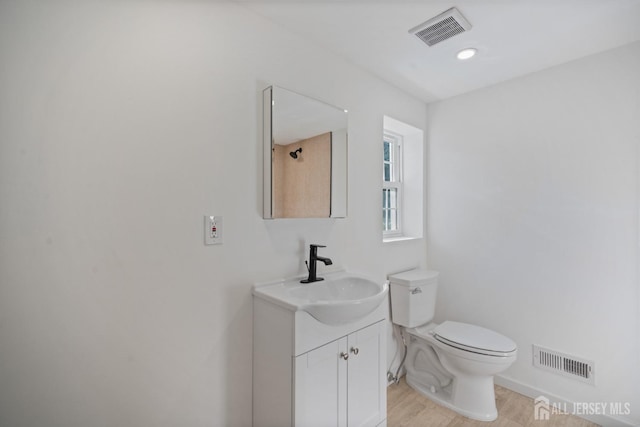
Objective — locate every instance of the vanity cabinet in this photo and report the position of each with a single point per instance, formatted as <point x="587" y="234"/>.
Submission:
<point x="338" y="384"/>
<point x="308" y="374"/>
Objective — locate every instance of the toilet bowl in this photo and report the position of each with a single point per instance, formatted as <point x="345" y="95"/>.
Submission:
<point x="452" y="363"/>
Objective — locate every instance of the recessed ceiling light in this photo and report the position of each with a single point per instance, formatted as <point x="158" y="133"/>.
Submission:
<point x="466" y="53"/>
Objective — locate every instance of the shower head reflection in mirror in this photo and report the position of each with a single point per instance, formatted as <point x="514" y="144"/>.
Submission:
<point x="294" y="154"/>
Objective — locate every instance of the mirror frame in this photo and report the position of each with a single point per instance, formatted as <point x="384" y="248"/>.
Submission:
<point x="339" y="162"/>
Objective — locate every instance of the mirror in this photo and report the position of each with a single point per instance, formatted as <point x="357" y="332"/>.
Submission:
<point x="305" y="157"/>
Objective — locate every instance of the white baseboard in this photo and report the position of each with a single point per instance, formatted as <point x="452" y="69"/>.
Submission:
<point x="532" y="392"/>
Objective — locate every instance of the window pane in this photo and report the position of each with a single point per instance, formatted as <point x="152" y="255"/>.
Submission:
<point x="389" y="198"/>
<point x="393" y="220"/>
<point x="389" y="219"/>
<point x="389" y="209"/>
<point x="388" y="161"/>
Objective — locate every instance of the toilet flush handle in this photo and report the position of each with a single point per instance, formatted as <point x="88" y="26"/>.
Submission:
<point x="416" y="291"/>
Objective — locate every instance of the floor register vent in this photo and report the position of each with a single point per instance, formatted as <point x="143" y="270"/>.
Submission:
<point x="564" y="364"/>
<point x="442" y="27"/>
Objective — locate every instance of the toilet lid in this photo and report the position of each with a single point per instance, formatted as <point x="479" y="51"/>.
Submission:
<point x="474" y="338"/>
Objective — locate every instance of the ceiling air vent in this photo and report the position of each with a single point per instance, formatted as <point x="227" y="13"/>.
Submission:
<point x="442" y="27"/>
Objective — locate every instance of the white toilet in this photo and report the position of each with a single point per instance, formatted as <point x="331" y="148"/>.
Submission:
<point x="452" y="363"/>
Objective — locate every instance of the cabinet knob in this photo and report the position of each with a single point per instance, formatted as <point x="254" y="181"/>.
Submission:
<point x="355" y="350"/>
<point x="344" y="355"/>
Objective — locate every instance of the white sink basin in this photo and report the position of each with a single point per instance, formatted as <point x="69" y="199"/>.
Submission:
<point x="340" y="298"/>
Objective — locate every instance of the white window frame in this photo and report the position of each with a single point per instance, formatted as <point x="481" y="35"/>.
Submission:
<point x="396" y="179"/>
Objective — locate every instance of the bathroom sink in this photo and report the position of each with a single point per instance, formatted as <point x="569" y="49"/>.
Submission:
<point x="340" y="298"/>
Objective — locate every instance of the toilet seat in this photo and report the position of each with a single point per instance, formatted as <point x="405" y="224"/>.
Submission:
<point x="475" y="339"/>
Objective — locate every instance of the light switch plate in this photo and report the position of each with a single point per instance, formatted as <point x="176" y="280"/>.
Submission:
<point x="212" y="230"/>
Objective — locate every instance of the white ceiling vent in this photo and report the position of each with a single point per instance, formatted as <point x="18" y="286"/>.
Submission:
<point x="442" y="27"/>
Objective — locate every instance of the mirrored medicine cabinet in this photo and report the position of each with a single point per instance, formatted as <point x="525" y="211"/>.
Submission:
<point x="305" y="157"/>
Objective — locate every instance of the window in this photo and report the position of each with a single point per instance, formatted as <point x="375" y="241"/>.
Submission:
<point x="402" y="181"/>
<point x="392" y="185"/>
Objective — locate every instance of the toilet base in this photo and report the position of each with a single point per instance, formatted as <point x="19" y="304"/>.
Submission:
<point x="484" y="410"/>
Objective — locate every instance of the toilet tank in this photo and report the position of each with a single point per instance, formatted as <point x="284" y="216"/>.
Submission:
<point x="413" y="297"/>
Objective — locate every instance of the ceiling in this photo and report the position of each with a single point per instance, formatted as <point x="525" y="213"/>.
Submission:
<point x="513" y="37"/>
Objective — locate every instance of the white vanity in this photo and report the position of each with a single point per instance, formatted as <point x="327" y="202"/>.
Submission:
<point x="319" y="352"/>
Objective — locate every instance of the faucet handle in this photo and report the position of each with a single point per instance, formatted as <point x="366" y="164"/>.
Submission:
<point x="313" y="245"/>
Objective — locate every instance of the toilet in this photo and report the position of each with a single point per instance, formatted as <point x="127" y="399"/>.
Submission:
<point x="452" y="363"/>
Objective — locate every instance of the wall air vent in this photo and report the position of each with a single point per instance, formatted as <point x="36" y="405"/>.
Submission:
<point x="564" y="364"/>
<point x="442" y="27"/>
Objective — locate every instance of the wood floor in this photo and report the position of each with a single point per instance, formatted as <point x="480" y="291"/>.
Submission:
<point x="408" y="408"/>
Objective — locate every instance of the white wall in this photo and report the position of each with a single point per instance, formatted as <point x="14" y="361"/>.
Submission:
<point x="533" y="218"/>
<point x="121" y="125"/>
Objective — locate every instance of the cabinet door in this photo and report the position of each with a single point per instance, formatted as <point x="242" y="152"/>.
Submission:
<point x="366" y="395"/>
<point x="320" y="386"/>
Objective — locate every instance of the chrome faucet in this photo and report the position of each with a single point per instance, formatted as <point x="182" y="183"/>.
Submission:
<point x="313" y="259"/>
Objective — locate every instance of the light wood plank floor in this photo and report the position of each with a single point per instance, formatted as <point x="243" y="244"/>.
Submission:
<point x="408" y="408"/>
